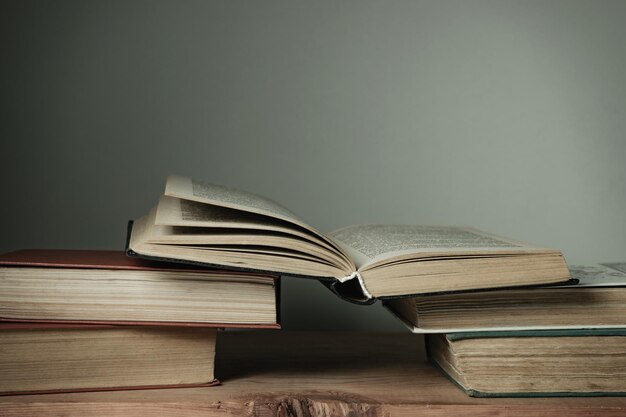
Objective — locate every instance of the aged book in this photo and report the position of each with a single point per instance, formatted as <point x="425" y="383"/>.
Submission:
<point x="597" y="301"/>
<point x="533" y="363"/>
<point x="213" y="225"/>
<point x="38" y="358"/>
<point x="107" y="287"/>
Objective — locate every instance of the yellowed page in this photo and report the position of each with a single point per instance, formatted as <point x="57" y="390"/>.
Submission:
<point x="369" y="244"/>
<point x="204" y="192"/>
<point x="172" y="211"/>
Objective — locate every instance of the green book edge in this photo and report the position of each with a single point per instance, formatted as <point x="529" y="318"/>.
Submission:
<point x="485" y="334"/>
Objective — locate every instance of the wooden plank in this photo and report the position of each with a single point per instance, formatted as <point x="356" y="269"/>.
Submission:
<point x="271" y="373"/>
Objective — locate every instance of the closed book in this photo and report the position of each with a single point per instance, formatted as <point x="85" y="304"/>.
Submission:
<point x="540" y="363"/>
<point x="107" y="287"/>
<point x="40" y="358"/>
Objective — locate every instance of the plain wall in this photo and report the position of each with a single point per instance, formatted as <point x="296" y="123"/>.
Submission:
<point x="506" y="116"/>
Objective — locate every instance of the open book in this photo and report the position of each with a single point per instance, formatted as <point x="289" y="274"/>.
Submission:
<point x="198" y="222"/>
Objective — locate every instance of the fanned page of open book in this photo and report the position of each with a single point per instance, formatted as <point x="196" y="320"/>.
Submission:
<point x="372" y="245"/>
<point x="189" y="202"/>
<point x="175" y="212"/>
<point x="194" y="190"/>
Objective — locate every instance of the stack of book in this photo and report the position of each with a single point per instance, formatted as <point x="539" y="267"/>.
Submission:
<point x="98" y="320"/>
<point x="552" y="341"/>
<point x="502" y="317"/>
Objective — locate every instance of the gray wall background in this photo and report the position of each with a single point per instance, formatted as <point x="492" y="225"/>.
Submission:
<point x="507" y="116"/>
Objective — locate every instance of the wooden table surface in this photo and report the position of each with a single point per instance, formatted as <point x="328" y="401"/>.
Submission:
<point x="276" y="373"/>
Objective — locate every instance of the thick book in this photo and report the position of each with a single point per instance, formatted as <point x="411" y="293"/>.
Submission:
<point x="107" y="287"/>
<point x="39" y="358"/>
<point x="597" y="301"/>
<point x="208" y="224"/>
<point x="540" y="363"/>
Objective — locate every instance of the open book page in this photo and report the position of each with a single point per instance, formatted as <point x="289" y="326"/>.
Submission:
<point x="203" y="192"/>
<point x="190" y="189"/>
<point x="268" y="259"/>
<point x="218" y="237"/>
<point x="600" y="275"/>
<point x="369" y="244"/>
<point x="172" y="211"/>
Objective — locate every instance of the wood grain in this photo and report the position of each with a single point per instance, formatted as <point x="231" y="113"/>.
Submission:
<point x="271" y="373"/>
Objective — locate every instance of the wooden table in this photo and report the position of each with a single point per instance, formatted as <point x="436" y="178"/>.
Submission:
<point x="274" y="373"/>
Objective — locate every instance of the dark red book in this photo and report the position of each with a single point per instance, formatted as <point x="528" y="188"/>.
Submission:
<point x="107" y="287"/>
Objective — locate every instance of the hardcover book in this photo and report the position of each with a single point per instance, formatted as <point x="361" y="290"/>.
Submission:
<point x="107" y="287"/>
<point x="541" y="363"/>
<point x="597" y="301"/>
<point x="39" y="358"/>
<point x="203" y="223"/>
